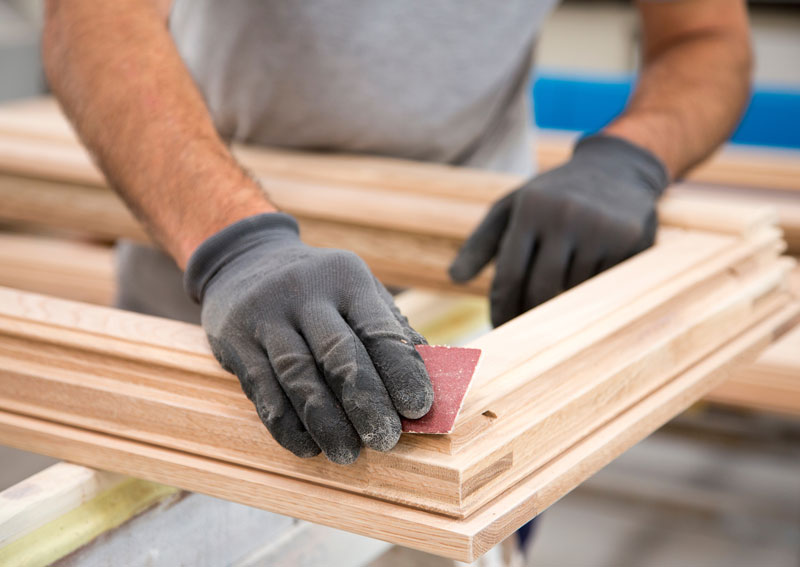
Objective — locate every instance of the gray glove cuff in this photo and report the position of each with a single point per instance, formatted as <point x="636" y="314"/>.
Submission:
<point x="232" y="241"/>
<point x="626" y="158"/>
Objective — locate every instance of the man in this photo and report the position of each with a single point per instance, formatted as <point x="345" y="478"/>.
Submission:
<point x="316" y="341"/>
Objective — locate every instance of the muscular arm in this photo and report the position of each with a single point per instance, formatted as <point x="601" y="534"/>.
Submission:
<point x="568" y="224"/>
<point x="694" y="79"/>
<point x="117" y="73"/>
<point x="316" y="341"/>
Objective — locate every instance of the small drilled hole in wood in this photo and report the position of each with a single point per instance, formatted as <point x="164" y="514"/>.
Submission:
<point x="490" y="414"/>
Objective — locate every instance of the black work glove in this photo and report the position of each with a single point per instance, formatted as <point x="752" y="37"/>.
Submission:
<point x="566" y="225"/>
<point x="316" y="341"/>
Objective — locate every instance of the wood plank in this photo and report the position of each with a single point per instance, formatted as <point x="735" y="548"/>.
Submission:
<point x="703" y="287"/>
<point x="771" y="384"/>
<point x="785" y="203"/>
<point x="405" y="219"/>
<point x="65" y="534"/>
<point x="629" y="291"/>
<point x="148" y="403"/>
<point x="429" y="199"/>
<point x="48" y="494"/>
<point x="464" y="540"/>
<point x="75" y="270"/>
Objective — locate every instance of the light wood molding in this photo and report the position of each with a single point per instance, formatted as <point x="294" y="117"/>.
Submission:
<point x="466" y="539"/>
<point x="604" y="344"/>
<point x="405" y="219"/>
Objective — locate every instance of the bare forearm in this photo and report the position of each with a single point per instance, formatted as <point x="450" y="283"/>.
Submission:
<point x="117" y="73"/>
<point x="690" y="95"/>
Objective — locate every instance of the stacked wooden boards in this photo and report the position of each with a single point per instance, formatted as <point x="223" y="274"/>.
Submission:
<point x="405" y="219"/>
<point x="77" y="270"/>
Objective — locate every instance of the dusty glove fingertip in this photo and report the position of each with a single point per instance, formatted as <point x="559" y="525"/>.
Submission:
<point x="385" y="434"/>
<point x="414" y="337"/>
<point x="413" y="403"/>
<point x="343" y="454"/>
<point x="305" y="448"/>
<point x="461" y="270"/>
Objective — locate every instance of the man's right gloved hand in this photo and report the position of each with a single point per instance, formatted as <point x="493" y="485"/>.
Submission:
<point x="316" y="341"/>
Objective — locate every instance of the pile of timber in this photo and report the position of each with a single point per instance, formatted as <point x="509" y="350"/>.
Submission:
<point x="560" y="391"/>
<point x="405" y="219"/>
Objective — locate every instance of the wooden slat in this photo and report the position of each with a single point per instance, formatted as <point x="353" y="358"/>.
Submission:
<point x="47" y="495"/>
<point x="770" y="384"/>
<point x="398" y="258"/>
<point x="785" y="203"/>
<point x="561" y="358"/>
<point x="67" y="533"/>
<point x="75" y="270"/>
<point x="564" y="404"/>
<point x="596" y="309"/>
<point x="465" y="539"/>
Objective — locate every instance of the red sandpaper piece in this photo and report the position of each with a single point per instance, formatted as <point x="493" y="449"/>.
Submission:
<point x="451" y="370"/>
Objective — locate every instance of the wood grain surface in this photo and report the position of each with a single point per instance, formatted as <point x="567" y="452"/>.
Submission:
<point x="465" y="539"/>
<point x="605" y="344"/>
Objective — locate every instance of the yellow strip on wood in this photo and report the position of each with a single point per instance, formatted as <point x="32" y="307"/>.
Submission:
<point x="78" y="527"/>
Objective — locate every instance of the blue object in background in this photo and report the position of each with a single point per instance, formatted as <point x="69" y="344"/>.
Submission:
<point x="587" y="104"/>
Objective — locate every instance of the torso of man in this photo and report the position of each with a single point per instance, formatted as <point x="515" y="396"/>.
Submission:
<point x="432" y="80"/>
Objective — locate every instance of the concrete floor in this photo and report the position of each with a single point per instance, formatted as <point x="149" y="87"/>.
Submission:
<point x="712" y="489"/>
<point x="686" y="496"/>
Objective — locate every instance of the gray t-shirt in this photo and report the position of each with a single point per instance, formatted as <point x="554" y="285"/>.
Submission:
<point x="433" y="80"/>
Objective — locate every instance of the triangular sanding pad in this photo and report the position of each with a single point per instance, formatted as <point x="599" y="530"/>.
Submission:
<point x="451" y="370"/>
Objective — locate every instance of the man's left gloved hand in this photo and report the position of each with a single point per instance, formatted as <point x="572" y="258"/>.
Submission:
<point x="566" y="225"/>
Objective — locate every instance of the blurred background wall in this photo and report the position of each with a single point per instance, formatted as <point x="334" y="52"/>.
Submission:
<point x="586" y="61"/>
<point x="587" y="57"/>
